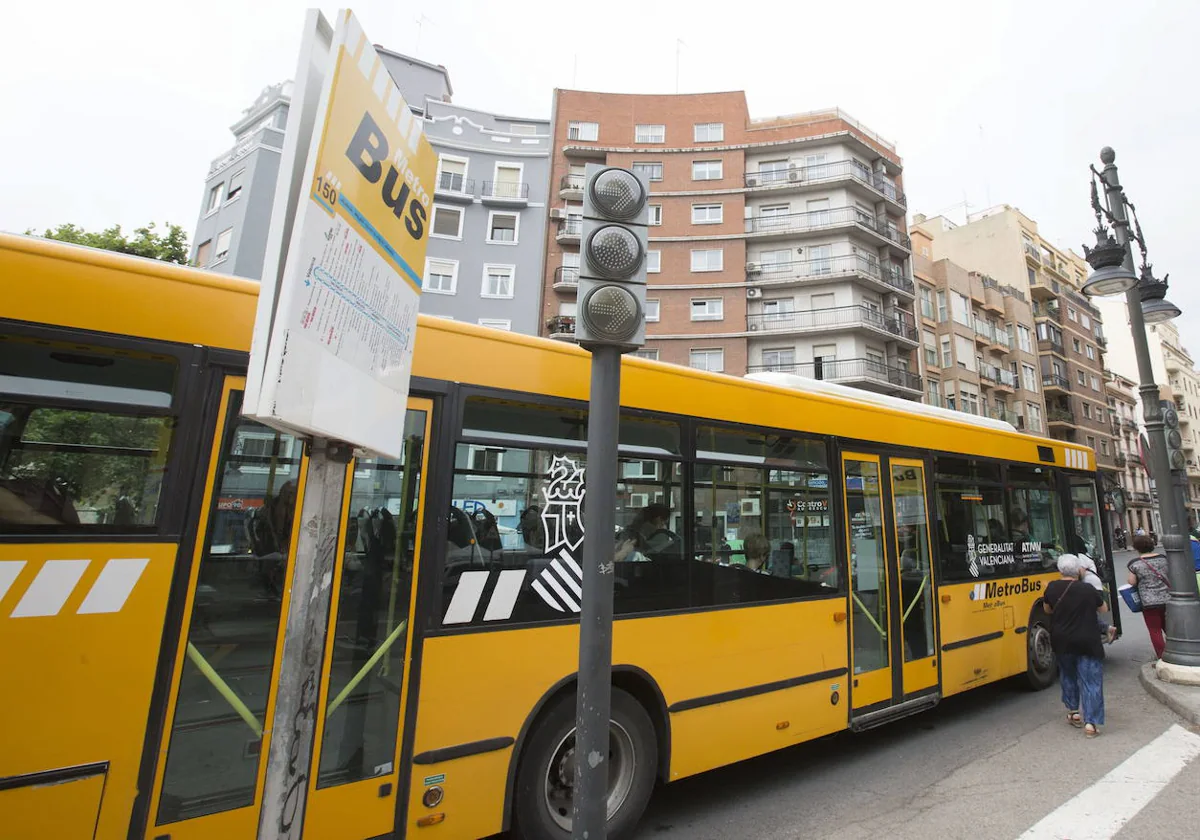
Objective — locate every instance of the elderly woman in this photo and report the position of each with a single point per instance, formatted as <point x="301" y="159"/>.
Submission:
<point x="1073" y="607"/>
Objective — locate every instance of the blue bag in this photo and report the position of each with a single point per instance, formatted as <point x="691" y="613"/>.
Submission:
<point x="1131" y="597"/>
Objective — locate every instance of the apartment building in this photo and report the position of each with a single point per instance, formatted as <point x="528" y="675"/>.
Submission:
<point x="1003" y="243"/>
<point x="1130" y="474"/>
<point x="776" y="244"/>
<point x="978" y="352"/>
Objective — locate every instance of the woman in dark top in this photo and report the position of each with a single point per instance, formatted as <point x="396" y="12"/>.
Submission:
<point x="1073" y="606"/>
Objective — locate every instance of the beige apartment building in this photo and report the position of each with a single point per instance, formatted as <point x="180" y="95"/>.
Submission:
<point x="776" y="244"/>
<point x="978" y="352"/>
<point x="1003" y="243"/>
<point x="1130" y="474"/>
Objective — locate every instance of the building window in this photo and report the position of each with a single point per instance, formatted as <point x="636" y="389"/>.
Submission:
<point x="1073" y="314"/>
<point x="235" y="185"/>
<point x="1090" y="352"/>
<point x="1081" y="377"/>
<point x="203" y="252"/>
<point x="708" y="309"/>
<point x="650" y="134"/>
<point x="947" y="353"/>
<point x="224" y="241"/>
<point x="655" y="214"/>
<point x="707" y="214"/>
<point x="962" y="308"/>
<point x="1029" y="377"/>
<point x="1076" y="346"/>
<point x="942" y="315"/>
<point x="1095" y="383"/>
<point x="498" y="281"/>
<point x="496" y="323"/>
<point x="1024" y="339"/>
<point x="709" y="359"/>
<point x="1103" y="446"/>
<point x="506" y="181"/>
<point x="934" y="392"/>
<point x="930" y="344"/>
<point x="706" y="170"/>
<point x="1085" y="321"/>
<point x="452" y="174"/>
<point x="447" y="222"/>
<point x="485" y="459"/>
<point x="1034" y="414"/>
<point x="965" y="351"/>
<point x="1087" y="411"/>
<point x="441" y="276"/>
<point x="1091" y="441"/>
<point x="502" y="228"/>
<point x="926" y="302"/>
<point x="650" y="171"/>
<point x="214" y="198"/>
<point x="643" y="353"/>
<point x="652" y="309"/>
<point x="577" y="130"/>
<point x="780" y="359"/>
<point x="708" y="132"/>
<point x="708" y="260"/>
<point x="653" y="262"/>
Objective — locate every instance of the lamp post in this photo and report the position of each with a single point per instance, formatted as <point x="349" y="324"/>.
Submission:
<point x="1113" y="273"/>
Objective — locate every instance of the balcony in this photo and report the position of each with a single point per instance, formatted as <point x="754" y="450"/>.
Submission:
<point x="1010" y="417"/>
<point x="454" y="187"/>
<point x="1054" y="382"/>
<point x="1121" y="460"/>
<point x="1060" y="417"/>
<point x="894" y="324"/>
<point x="566" y="278"/>
<point x="1050" y="310"/>
<point x="561" y="327"/>
<point x="507" y="193"/>
<point x="868" y="372"/>
<point x="1051" y="345"/>
<point x="1044" y="289"/>
<point x="1139" y="498"/>
<point x="570" y="188"/>
<point x="886" y="278"/>
<point x="569" y="231"/>
<point x="789" y="224"/>
<point x="1033" y="254"/>
<point x="1129" y="424"/>
<point x="801" y="177"/>
<point x="997" y="377"/>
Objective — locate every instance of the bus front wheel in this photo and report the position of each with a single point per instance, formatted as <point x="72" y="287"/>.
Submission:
<point x="544" y="794"/>
<point x="1042" y="668"/>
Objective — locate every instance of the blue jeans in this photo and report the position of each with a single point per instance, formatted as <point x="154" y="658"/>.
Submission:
<point x="1082" y="679"/>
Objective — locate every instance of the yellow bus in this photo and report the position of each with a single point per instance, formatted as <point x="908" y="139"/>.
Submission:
<point x="798" y="559"/>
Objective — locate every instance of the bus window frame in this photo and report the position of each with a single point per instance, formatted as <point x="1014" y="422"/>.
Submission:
<point x="174" y="498"/>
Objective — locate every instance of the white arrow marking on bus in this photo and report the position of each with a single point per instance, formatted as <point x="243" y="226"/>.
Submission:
<point x="114" y="586"/>
<point x="51" y="588"/>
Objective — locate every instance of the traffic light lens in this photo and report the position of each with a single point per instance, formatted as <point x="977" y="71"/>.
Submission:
<point x="614" y="252"/>
<point x="611" y="312"/>
<point x="618" y="193"/>
<point x="1174" y="438"/>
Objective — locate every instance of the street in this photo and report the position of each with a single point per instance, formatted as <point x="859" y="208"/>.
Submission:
<point x="989" y="765"/>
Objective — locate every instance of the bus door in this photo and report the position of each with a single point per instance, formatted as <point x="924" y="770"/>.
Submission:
<point x="892" y="588"/>
<point x="365" y="689"/>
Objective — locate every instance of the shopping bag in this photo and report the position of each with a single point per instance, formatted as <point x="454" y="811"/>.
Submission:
<point x="1131" y="597"/>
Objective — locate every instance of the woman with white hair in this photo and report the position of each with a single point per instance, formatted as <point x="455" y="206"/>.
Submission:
<point x="1073" y="607"/>
<point x="1091" y="576"/>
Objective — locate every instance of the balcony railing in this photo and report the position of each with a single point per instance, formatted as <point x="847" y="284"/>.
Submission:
<point x="822" y="172"/>
<point x="1060" y="415"/>
<point x="1010" y="417"/>
<point x="835" y="369"/>
<point x="1120" y="460"/>
<point x="1033" y="253"/>
<point x="1140" y="498"/>
<point x="453" y="182"/>
<point x="561" y="326"/>
<point x="998" y="375"/>
<point x="566" y="276"/>
<point x="839" y="316"/>
<point x="830" y="267"/>
<point x="507" y="190"/>
<point x="571" y="182"/>
<point x="570" y="227"/>
<point x="1053" y="344"/>
<point x="1131" y="425"/>
<point x="820" y="219"/>
<point x="1047" y="311"/>
<point x="1052" y="380"/>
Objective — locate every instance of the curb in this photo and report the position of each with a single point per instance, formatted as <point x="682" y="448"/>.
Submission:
<point x="1157" y="689"/>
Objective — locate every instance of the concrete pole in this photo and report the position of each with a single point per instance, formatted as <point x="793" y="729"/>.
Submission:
<point x="1182" y="654"/>
<point x="590" y="806"/>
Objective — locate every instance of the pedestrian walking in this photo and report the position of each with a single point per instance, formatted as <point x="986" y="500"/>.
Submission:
<point x="1090" y="575"/>
<point x="1148" y="573"/>
<point x="1073" y="607"/>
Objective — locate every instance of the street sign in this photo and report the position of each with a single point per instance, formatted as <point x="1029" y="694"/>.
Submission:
<point x="340" y="327"/>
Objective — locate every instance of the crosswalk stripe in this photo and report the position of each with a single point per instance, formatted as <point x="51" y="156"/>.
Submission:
<point x="1099" y="812"/>
<point x="114" y="586"/>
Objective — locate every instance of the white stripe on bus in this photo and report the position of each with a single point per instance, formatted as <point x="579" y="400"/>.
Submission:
<point x="51" y="588"/>
<point x="466" y="597"/>
<point x="553" y="583"/>
<point x="504" y="596"/>
<point x="566" y="578"/>
<point x="114" y="586"/>
<point x="570" y="561"/>
<point x="546" y="596"/>
<point x="9" y="569"/>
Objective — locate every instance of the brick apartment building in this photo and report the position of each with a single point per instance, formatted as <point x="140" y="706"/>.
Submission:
<point x="777" y="244"/>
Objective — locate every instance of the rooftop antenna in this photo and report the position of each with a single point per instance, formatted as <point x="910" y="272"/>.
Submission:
<point x="421" y="21"/>
<point x="678" y="43"/>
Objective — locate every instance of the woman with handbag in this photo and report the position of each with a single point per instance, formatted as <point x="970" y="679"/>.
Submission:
<point x="1073" y="607"/>
<point x="1149" y="574"/>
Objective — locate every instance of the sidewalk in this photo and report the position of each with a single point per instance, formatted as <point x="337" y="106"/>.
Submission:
<point x="1184" y="700"/>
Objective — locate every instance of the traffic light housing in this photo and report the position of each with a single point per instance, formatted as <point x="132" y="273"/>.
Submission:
<point x="1173" y="437"/>
<point x="612" y="259"/>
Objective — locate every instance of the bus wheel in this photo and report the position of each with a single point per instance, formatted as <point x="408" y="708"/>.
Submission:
<point x="543" y="798"/>
<point x="1043" y="667"/>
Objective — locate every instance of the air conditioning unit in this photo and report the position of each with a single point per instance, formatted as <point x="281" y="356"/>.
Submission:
<point x="753" y="267"/>
<point x="749" y="507"/>
<point x="754" y="327"/>
<point x="558" y="213"/>
<point x="753" y="292"/>
<point x="751" y="180"/>
<point x="639" y="500"/>
<point x="794" y="175"/>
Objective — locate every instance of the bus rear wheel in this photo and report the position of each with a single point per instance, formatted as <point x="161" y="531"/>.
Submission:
<point x="1042" y="668"/>
<point x="544" y="795"/>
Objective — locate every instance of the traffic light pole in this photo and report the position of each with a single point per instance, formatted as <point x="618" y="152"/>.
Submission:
<point x="594" y="697"/>
<point x="1183" y="608"/>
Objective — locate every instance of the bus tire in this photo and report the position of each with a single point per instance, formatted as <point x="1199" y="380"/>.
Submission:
<point x="545" y="776"/>
<point x="1041" y="665"/>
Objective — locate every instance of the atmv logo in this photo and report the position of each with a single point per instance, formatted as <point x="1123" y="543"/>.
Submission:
<point x="1003" y="589"/>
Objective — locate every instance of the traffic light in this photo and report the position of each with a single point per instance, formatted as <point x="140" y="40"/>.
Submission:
<point x="612" y="265"/>
<point x="1173" y="437"/>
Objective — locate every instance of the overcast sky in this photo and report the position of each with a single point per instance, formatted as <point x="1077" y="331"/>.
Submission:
<point x="113" y="111"/>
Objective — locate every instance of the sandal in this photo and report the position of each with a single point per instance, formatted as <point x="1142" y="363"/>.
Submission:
<point x="1074" y="719"/>
<point x="1090" y="730"/>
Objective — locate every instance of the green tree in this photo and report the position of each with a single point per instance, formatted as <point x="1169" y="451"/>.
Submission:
<point x="171" y="246"/>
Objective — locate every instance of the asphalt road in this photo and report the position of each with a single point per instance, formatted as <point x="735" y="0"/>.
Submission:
<point x="992" y="764"/>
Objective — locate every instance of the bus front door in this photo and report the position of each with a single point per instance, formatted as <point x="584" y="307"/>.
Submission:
<point x="892" y="588"/>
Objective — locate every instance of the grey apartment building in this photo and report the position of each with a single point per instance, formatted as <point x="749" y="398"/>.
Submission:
<point x="488" y="222"/>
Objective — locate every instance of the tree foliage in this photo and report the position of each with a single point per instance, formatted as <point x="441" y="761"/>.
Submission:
<point x="171" y="246"/>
